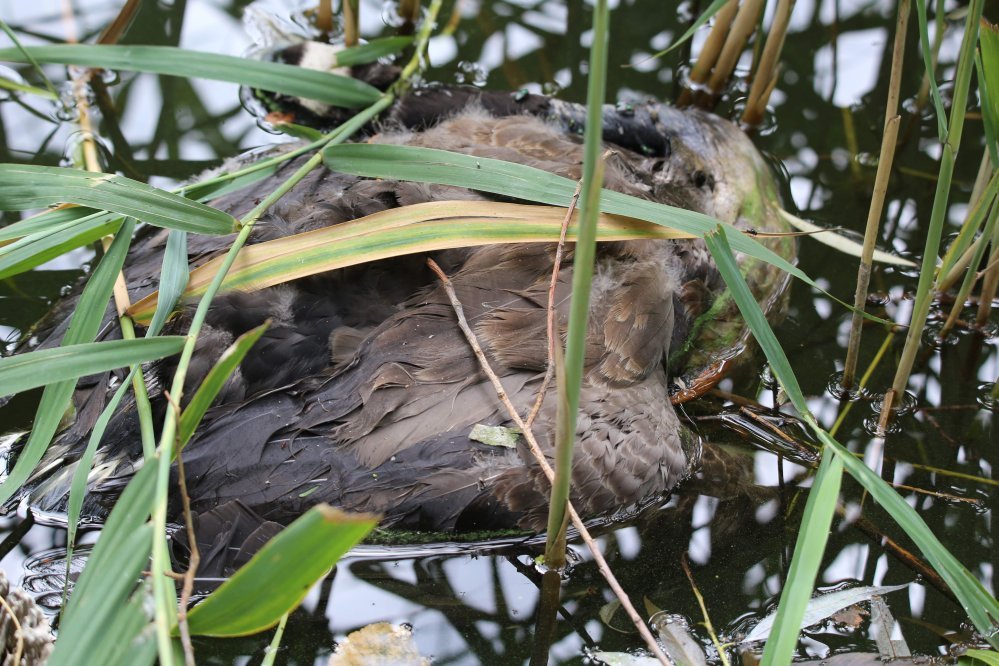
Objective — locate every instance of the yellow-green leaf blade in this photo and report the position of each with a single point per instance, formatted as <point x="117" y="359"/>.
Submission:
<point x="406" y="230"/>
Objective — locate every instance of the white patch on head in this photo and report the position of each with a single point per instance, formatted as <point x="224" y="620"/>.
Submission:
<point x="320" y="57"/>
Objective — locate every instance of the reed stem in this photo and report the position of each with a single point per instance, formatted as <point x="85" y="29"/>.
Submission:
<point x="951" y="140"/>
<point x="885" y="160"/>
<point x="709" y="53"/>
<point x="742" y="28"/>
<point x="765" y="76"/>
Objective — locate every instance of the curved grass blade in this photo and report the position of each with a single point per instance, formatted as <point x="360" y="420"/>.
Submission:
<point x="24" y="186"/>
<point x="391" y="233"/>
<point x="213" y="383"/>
<point x="83" y="327"/>
<point x="842" y="243"/>
<point x="277" y="578"/>
<point x="924" y="45"/>
<point x="373" y="50"/>
<point x="276" y="77"/>
<point x="39" y="368"/>
<point x="174" y="276"/>
<point x="34" y="250"/>
<point x="706" y="16"/>
<point x="99" y="601"/>
<point x="45" y="221"/>
<point x="980" y="606"/>
<point x="427" y="165"/>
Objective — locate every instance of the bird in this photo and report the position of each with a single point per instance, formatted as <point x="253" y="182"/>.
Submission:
<point x="364" y="393"/>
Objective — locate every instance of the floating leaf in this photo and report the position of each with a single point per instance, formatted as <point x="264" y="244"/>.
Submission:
<point x="25" y="186"/>
<point x="824" y="606"/>
<point x="277" y="578"/>
<point x="418" y="228"/>
<point x="276" y="77"/>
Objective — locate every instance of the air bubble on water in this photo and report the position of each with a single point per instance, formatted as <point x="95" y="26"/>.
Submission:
<point x="985" y="397"/>
<point x="471" y="72"/>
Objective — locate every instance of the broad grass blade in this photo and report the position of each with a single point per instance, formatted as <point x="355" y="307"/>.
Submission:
<point x="174" y="277"/>
<point x="100" y="600"/>
<point x="277" y="578"/>
<point x="83" y="327"/>
<point x="46" y="221"/>
<point x="406" y="230"/>
<point x="34" y="250"/>
<point x="427" y="165"/>
<point x="25" y="186"/>
<point x="980" y="606"/>
<point x="40" y="368"/>
<point x="276" y="77"/>
<point x="213" y="383"/>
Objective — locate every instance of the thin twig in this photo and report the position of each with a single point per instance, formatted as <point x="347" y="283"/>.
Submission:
<point x="545" y="467"/>
<point x="194" y="560"/>
<point x="19" y="649"/>
<point x="704" y="611"/>
<point x="559" y="251"/>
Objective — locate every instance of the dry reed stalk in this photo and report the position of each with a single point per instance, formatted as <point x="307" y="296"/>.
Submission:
<point x="351" y="17"/>
<point x="324" y="17"/>
<point x="709" y="52"/>
<point x="990" y="283"/>
<point x="742" y="28"/>
<point x="546" y="468"/>
<point x="887" y="156"/>
<point x="765" y="75"/>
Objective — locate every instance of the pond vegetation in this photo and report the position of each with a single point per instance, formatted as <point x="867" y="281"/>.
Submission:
<point x="857" y="131"/>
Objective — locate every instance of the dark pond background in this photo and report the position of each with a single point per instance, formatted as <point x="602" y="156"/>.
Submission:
<point x="823" y="137"/>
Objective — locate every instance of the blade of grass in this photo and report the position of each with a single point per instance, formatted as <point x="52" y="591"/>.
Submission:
<point x="40" y="368"/>
<point x="406" y="230"/>
<point x="275" y="77"/>
<point x="25" y="186"/>
<point x="582" y="276"/>
<point x="31" y="251"/>
<point x="705" y="16"/>
<point x="951" y="142"/>
<point x="174" y="276"/>
<point x="928" y="64"/>
<point x="85" y="322"/>
<point x="277" y="578"/>
<point x="111" y="575"/>
<point x="980" y="606"/>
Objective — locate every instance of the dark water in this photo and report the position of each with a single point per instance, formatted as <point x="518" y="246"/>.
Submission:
<point x="478" y="606"/>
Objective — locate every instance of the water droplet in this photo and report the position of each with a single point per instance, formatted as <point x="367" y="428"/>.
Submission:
<point x="626" y="109"/>
<point x="551" y="88"/>
<point x="471" y="72"/>
<point x="986" y="399"/>
<point x="110" y="77"/>
<point x="73" y="151"/>
<point x="866" y="159"/>
<point x="768" y="379"/>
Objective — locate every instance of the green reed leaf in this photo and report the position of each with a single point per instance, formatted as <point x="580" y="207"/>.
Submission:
<point x="100" y="600"/>
<point x="427" y="165"/>
<point x="275" y="77"/>
<point x="24" y="186"/>
<point x="34" y="250"/>
<point x="980" y="606"/>
<point x="39" y="368"/>
<point x="278" y="577"/>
